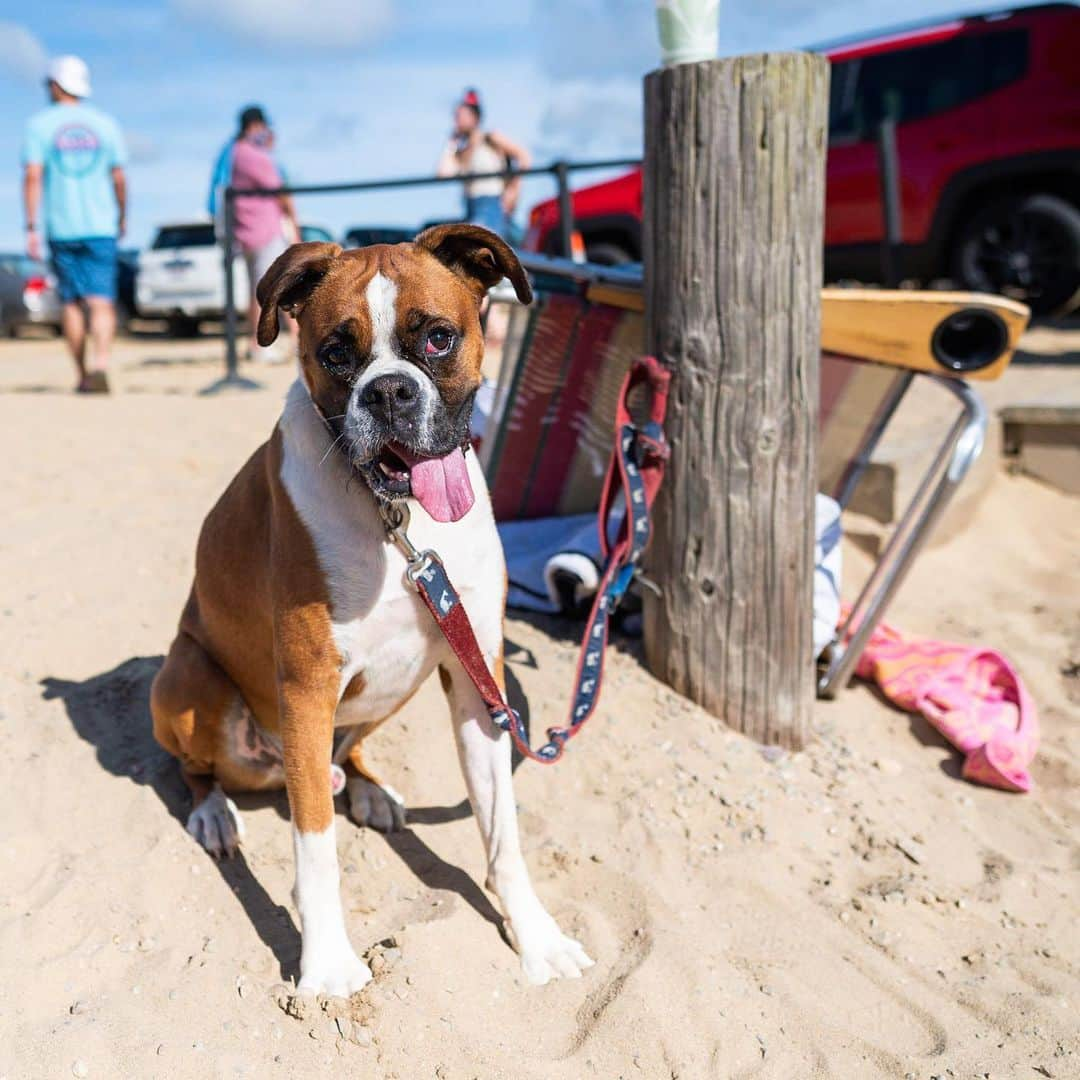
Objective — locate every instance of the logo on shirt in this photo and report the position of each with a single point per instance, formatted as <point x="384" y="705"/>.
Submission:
<point x="78" y="149"/>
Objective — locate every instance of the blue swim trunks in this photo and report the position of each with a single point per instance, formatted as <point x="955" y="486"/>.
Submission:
<point x="486" y="210"/>
<point x="85" y="267"/>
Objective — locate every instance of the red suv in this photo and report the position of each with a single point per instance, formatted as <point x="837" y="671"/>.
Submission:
<point x="987" y="113"/>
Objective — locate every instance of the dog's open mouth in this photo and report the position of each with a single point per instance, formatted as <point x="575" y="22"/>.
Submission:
<point x="439" y="484"/>
<point x="393" y="472"/>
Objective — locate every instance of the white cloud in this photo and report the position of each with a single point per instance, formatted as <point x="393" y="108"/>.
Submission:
<point x="22" y="56"/>
<point x="327" y="24"/>
<point x="594" y="54"/>
<point x="596" y="38"/>
<point x="592" y="118"/>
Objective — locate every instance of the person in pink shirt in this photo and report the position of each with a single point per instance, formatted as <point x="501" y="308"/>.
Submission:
<point x="264" y="227"/>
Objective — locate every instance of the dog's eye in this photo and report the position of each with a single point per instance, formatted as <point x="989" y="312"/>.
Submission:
<point x="336" y="360"/>
<point x="438" y="342"/>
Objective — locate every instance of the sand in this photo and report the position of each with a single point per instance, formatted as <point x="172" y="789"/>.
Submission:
<point x="853" y="910"/>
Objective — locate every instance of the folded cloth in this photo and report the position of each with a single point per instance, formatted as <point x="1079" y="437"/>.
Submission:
<point x="539" y="551"/>
<point x="483" y="404"/>
<point x="973" y="696"/>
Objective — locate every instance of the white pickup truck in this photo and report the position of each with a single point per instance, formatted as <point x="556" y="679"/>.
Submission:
<point x="180" y="276"/>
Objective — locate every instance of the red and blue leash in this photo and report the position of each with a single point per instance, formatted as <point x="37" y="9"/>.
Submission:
<point x="636" y="470"/>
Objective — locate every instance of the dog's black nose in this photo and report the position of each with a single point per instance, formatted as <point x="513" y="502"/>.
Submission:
<point x="392" y="398"/>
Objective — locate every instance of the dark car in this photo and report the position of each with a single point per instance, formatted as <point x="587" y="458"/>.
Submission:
<point x="366" y="235"/>
<point x="309" y="233"/>
<point x="987" y="113"/>
<point x="127" y="268"/>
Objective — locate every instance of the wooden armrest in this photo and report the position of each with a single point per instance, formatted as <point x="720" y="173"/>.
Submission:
<point x="901" y="328"/>
<point x="911" y="330"/>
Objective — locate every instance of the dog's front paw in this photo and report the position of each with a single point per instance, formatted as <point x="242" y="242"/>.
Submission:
<point x="375" y="805"/>
<point x="546" y="952"/>
<point x="217" y="824"/>
<point x="335" y="972"/>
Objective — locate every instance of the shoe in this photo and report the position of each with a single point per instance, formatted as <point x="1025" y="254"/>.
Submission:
<point x="93" y="382"/>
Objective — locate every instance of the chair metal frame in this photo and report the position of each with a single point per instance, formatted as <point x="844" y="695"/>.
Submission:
<point x="958" y="452"/>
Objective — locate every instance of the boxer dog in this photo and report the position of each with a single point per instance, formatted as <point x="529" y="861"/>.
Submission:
<point x="300" y="618"/>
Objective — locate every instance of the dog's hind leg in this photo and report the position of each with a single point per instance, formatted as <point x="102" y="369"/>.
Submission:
<point x="371" y="802"/>
<point x="190" y="700"/>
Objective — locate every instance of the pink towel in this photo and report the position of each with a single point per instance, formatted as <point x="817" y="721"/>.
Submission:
<point x="973" y="696"/>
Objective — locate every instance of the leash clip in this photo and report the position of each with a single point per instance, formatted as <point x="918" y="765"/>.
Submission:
<point x="396" y="521"/>
<point x="641" y="579"/>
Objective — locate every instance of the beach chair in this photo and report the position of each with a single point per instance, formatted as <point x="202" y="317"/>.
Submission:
<point x="564" y="359"/>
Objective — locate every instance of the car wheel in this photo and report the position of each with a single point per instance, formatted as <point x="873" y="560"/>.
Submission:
<point x="1027" y="248"/>
<point x="607" y="254"/>
<point x="183" y="326"/>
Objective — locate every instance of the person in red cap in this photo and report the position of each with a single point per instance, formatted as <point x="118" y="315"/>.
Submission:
<point x="472" y="152"/>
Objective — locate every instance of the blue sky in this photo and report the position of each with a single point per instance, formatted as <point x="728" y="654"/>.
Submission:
<point x="364" y="88"/>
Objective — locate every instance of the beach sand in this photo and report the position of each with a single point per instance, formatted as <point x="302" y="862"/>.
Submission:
<point x="853" y="910"/>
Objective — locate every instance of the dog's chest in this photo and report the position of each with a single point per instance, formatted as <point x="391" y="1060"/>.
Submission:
<point x="387" y="640"/>
<point x="391" y="646"/>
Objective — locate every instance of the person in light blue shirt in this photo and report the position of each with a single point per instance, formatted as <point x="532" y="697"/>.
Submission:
<point x="74" y="186"/>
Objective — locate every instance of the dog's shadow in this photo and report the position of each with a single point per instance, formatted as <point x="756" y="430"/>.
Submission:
<point x="111" y="711"/>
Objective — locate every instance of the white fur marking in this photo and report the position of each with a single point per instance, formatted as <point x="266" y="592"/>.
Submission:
<point x="328" y="964"/>
<point x="381" y="297"/>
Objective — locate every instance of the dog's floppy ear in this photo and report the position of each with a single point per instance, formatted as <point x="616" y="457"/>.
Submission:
<point x="476" y="254"/>
<point x="289" y="281"/>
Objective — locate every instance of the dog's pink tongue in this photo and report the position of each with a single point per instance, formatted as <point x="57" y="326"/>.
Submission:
<point x="441" y="485"/>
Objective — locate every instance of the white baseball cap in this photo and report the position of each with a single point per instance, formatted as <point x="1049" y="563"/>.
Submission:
<point x="71" y="74"/>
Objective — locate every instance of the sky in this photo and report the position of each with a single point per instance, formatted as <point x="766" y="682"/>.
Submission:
<point x="363" y="89"/>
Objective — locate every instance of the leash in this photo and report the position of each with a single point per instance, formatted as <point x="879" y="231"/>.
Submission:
<point x="635" y="471"/>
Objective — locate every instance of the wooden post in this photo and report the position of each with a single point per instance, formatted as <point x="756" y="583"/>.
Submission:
<point x="734" y="195"/>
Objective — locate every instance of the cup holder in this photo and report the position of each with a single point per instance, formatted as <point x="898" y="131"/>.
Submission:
<point x="969" y="339"/>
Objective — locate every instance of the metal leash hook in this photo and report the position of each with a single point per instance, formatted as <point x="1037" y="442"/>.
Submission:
<point x="647" y="582"/>
<point x="396" y="520"/>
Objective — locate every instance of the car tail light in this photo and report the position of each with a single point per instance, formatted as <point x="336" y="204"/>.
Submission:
<point x="34" y="289"/>
<point x="542" y="219"/>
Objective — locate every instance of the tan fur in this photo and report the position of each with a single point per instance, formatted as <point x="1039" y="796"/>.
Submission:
<point x="257" y="631"/>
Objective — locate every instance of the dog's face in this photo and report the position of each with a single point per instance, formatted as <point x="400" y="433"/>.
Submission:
<point x="390" y="350"/>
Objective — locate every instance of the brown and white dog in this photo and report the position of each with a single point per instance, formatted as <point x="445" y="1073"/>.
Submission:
<point x="301" y="619"/>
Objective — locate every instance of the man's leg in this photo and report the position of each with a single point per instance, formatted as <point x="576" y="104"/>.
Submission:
<point x="73" y="325"/>
<point x="253" y="305"/>
<point x="102" y="329"/>
<point x="260" y="261"/>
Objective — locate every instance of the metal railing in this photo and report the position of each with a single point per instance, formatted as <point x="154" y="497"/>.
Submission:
<point x="560" y="170"/>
